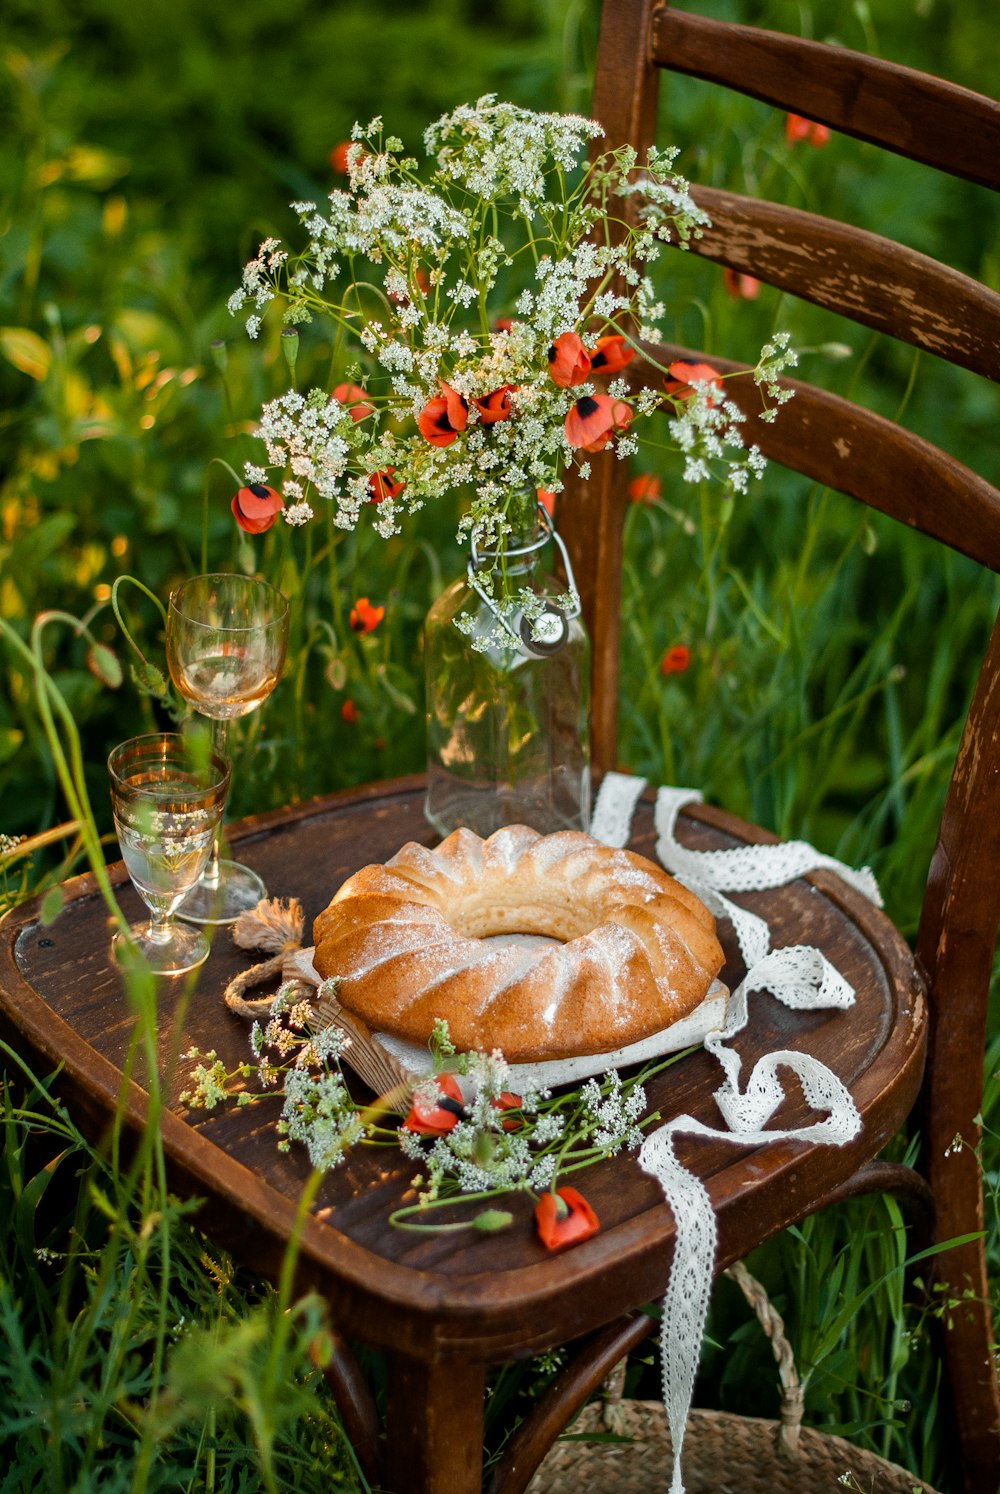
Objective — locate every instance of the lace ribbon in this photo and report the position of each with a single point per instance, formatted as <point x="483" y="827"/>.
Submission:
<point x="797" y="975"/>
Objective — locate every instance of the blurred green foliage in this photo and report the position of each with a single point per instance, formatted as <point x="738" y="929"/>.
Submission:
<point x="150" y="148"/>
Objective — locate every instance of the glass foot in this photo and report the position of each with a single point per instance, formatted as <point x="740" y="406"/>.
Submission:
<point x="223" y="898"/>
<point x="181" y="950"/>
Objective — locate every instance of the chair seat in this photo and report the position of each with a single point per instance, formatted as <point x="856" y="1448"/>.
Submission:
<point x="465" y="1298"/>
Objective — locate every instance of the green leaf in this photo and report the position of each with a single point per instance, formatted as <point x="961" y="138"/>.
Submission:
<point x="27" y="351"/>
<point x="10" y="741"/>
<point x="52" y="904"/>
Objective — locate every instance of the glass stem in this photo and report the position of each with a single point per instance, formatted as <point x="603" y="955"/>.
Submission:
<point x="160" y="929"/>
<point x="211" y="875"/>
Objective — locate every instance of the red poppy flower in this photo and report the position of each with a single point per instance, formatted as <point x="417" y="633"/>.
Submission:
<point x="740" y="287"/>
<point x="443" y="417"/>
<point x="495" y="405"/>
<point x="569" y="361"/>
<point x="547" y="500"/>
<point x="508" y="1101"/>
<point x="593" y="420"/>
<point x="349" y="712"/>
<point x="645" y="488"/>
<point x="423" y="286"/>
<point x="364" y="617"/>
<point x="256" y="507"/>
<point x="338" y="157"/>
<point x="439" y="1115"/>
<point x="502" y="324"/>
<point x="356" y="398"/>
<point x="564" y="1218"/>
<point x="609" y="355"/>
<point x="382" y="485"/>
<point x="675" y="660"/>
<point x="683" y="377"/>
<point x="798" y="128"/>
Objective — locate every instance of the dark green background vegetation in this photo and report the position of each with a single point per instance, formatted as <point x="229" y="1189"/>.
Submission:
<point x="147" y="149"/>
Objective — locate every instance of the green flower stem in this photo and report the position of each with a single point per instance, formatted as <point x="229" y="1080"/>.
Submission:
<point x="399" y="1216"/>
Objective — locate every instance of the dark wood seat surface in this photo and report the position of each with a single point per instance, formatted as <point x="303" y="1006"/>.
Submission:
<point x="465" y="1296"/>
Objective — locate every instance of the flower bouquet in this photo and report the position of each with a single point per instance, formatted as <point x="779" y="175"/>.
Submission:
<point x="482" y="318"/>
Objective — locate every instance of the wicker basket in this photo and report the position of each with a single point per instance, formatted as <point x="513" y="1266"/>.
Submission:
<point x="723" y="1453"/>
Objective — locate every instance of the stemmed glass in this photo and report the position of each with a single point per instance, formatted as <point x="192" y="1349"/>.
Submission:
<point x="226" y="641"/>
<point x="167" y="797"/>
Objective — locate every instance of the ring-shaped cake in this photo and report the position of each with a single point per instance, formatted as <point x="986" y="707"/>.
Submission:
<point x="545" y="946"/>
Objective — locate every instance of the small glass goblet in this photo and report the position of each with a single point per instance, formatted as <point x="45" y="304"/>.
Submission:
<point x="167" y="797"/>
<point x="226" y="641"/>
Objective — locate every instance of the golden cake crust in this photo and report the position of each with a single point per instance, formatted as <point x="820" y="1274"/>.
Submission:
<point x="416" y="940"/>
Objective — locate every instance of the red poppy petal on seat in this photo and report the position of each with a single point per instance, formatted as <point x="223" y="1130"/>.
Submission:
<point x="564" y="1218"/>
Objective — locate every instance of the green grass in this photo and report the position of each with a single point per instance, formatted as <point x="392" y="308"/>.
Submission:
<point x="832" y="653"/>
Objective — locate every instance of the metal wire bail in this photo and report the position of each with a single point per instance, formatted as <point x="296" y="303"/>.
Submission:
<point x="544" y="635"/>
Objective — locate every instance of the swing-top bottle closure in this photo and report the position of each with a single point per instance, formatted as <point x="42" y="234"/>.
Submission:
<point x="546" y="633"/>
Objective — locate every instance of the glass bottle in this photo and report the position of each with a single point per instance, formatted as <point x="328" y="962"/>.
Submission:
<point x="507" y="694"/>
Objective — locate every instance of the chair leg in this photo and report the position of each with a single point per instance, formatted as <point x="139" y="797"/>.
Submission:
<point x="967" y="1329"/>
<point x="434" y="1427"/>
<point x="356" y="1407"/>
<point x="575" y="1383"/>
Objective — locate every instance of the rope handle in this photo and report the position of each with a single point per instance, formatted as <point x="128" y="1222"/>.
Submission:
<point x="771" y="1321"/>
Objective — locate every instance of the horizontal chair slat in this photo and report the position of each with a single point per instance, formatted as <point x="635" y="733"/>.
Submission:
<point x="841" y="445"/>
<point x="923" y="118"/>
<point x="861" y="275"/>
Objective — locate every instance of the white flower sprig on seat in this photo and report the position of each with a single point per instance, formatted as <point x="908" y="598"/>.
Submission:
<point x="484" y="317"/>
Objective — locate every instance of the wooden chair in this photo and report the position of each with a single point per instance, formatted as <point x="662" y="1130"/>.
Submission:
<point x="445" y="1308"/>
<point x="883" y="285"/>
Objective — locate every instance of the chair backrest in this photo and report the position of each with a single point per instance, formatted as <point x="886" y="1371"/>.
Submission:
<point x="882" y="285"/>
<point x="860" y="275"/>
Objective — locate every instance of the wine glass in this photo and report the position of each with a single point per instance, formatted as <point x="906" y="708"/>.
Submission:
<point x="226" y="641"/>
<point x="167" y="797"/>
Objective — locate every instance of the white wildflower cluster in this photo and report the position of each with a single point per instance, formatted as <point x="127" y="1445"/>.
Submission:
<point x="505" y="1142"/>
<point x="775" y="357"/>
<point x="494" y="149"/>
<point x="706" y="429"/>
<point x="615" y="1112"/>
<point x="210" y="1080"/>
<point x="9" y="844"/>
<point x="258" y="283"/>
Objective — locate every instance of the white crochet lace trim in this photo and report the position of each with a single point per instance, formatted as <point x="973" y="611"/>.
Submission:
<point x="798" y="975"/>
